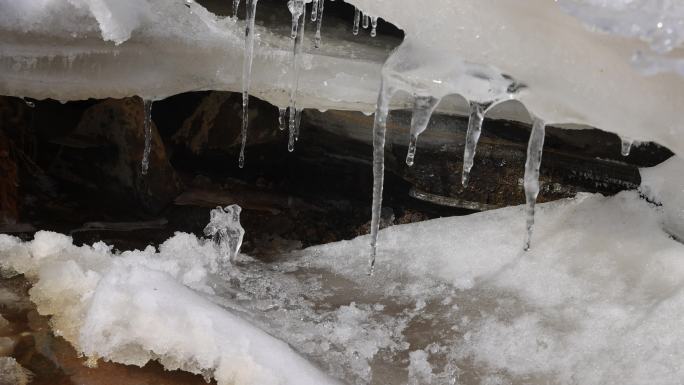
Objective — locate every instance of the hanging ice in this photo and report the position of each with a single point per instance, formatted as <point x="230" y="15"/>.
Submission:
<point x="236" y="5"/>
<point x="366" y="21"/>
<point x="297" y="9"/>
<point x="314" y="10"/>
<point x="357" y="20"/>
<point x="379" y="130"/>
<point x="626" y="146"/>
<point x="477" y="111"/>
<point x="294" y="131"/>
<point x="535" y="147"/>
<point x="247" y="74"/>
<point x="225" y="229"/>
<point x="319" y="24"/>
<point x="417" y="70"/>
<point x="423" y="108"/>
<point x="147" y="126"/>
<point x="374" y="24"/>
<point x="282" y="118"/>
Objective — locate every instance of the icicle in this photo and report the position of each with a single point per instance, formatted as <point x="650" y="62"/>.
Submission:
<point x="374" y="24"/>
<point x="236" y="5"/>
<point x="319" y="23"/>
<point x="29" y="103"/>
<point x="314" y="10"/>
<point x="296" y="8"/>
<point x="298" y="26"/>
<point x="422" y="110"/>
<point x="379" y="129"/>
<point x="147" y="124"/>
<point x="366" y="21"/>
<point x="357" y="20"/>
<point x="477" y="111"/>
<point x="282" y="118"/>
<point x="247" y="74"/>
<point x="626" y="146"/>
<point x="534" y="157"/>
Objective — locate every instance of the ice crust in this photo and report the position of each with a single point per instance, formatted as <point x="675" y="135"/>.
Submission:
<point x="67" y="50"/>
<point x="598" y="300"/>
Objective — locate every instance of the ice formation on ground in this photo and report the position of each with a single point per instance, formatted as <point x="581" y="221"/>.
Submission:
<point x="225" y="229"/>
<point x="598" y="301"/>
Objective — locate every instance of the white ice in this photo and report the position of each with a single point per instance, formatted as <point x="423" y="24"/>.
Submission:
<point x="574" y="74"/>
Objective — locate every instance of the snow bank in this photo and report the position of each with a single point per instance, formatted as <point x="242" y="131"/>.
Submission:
<point x="139" y="305"/>
<point x="597" y="300"/>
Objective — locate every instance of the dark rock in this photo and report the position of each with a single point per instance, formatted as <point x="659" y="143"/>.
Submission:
<point x="9" y="182"/>
<point x="105" y="151"/>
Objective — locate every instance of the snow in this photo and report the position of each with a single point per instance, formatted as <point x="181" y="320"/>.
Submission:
<point x="597" y="300"/>
<point x="140" y="305"/>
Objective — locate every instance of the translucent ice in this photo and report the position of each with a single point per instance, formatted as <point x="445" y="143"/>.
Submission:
<point x="535" y="147"/>
<point x="147" y="126"/>
<point x="225" y="229"/>
<point x="251" y="6"/>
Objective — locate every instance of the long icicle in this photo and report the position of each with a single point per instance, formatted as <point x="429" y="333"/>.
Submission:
<point x="147" y="124"/>
<point x="299" y="24"/>
<point x="477" y="111"/>
<point x="535" y="147"/>
<point x="423" y="107"/>
<point x="357" y="20"/>
<point x="379" y="129"/>
<point x="374" y="26"/>
<point x="319" y="24"/>
<point x="247" y="74"/>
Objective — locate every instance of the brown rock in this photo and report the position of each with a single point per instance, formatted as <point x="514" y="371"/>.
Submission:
<point x="217" y="122"/>
<point x="114" y="133"/>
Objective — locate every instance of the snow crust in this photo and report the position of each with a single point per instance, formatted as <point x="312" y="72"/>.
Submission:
<point x="573" y="74"/>
<point x="598" y="300"/>
<point x="141" y="305"/>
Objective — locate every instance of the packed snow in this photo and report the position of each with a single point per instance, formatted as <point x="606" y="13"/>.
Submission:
<point x="598" y="300"/>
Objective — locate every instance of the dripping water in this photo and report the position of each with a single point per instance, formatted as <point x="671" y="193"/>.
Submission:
<point x="534" y="157"/>
<point x="379" y="129"/>
<point x="626" y="147"/>
<point x="357" y="20"/>
<point x="298" y="24"/>
<point x="147" y="125"/>
<point x="282" y="118"/>
<point x="477" y="111"/>
<point x="247" y="74"/>
<point x="319" y="23"/>
<point x="423" y="106"/>
<point x="374" y="26"/>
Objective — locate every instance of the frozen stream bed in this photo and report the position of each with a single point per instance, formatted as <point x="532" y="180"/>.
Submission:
<point x="598" y="300"/>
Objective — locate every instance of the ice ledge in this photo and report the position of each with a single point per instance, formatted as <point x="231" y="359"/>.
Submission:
<point x="573" y="75"/>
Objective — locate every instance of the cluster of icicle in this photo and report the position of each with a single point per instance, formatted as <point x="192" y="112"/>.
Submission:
<point x="290" y="117"/>
<point x="462" y="79"/>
